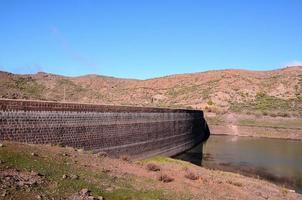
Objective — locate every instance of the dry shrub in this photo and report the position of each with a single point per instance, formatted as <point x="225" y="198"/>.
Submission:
<point x="273" y="114"/>
<point x="248" y="112"/>
<point x="153" y="167"/>
<point x="165" y="178"/>
<point x="102" y="154"/>
<point x="212" y="109"/>
<point x="125" y="158"/>
<point x="208" y="109"/>
<point x="283" y="114"/>
<point x="191" y="176"/>
<point x="234" y="183"/>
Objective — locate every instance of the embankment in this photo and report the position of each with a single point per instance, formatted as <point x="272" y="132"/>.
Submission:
<point x="257" y="131"/>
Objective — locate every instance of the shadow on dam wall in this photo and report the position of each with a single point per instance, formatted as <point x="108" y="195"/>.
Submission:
<point x="138" y="132"/>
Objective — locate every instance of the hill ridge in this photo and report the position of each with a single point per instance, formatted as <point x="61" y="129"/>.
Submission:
<point x="229" y="90"/>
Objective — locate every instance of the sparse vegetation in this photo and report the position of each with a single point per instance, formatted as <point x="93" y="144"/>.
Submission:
<point x="163" y="160"/>
<point x="29" y="87"/>
<point x="269" y="105"/>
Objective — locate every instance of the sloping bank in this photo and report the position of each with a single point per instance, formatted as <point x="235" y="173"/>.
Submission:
<point x="52" y="172"/>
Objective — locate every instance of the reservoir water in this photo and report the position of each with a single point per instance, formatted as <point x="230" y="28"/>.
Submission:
<point x="277" y="160"/>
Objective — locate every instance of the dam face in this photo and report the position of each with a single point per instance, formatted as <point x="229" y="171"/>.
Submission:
<point x="118" y="130"/>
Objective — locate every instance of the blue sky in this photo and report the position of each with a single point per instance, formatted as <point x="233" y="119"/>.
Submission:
<point x="148" y="38"/>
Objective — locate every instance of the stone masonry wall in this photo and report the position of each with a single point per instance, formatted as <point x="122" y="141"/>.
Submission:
<point x="118" y="130"/>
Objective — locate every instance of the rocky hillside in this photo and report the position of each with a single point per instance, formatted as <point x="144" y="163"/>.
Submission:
<point x="277" y="92"/>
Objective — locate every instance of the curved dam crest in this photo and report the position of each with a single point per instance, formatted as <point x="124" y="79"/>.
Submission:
<point x="138" y="132"/>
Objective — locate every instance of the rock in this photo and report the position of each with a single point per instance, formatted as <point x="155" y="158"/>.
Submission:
<point x="33" y="173"/>
<point x="84" y="191"/>
<point x="109" y="189"/>
<point x="39" y="197"/>
<point x="65" y="154"/>
<point x="74" y="176"/>
<point x="91" y="197"/>
<point x="34" y="154"/>
<point x="64" y="176"/>
<point x="106" y="170"/>
<point x="80" y="150"/>
<point x="20" y="183"/>
<point x="1" y="161"/>
<point x="1" y="145"/>
<point x="158" y="98"/>
<point x="100" y="198"/>
<point x="4" y="193"/>
<point x="102" y="154"/>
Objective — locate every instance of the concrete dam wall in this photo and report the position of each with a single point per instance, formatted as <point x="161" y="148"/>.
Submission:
<point x="118" y="130"/>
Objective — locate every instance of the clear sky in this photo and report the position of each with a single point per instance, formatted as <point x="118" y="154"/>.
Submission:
<point x="148" y="38"/>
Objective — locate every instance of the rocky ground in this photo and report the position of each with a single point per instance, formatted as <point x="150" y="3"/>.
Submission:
<point x="51" y="172"/>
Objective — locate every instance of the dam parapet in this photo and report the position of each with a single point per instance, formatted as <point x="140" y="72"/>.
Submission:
<point x="138" y="132"/>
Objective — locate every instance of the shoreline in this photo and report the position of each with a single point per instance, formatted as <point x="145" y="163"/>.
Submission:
<point x="256" y="136"/>
<point x="279" y="181"/>
<point x="252" y="126"/>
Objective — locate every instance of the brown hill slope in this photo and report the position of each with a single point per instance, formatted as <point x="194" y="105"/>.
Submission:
<point x="277" y="91"/>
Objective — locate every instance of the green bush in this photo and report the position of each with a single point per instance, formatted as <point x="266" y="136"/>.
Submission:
<point x="210" y="102"/>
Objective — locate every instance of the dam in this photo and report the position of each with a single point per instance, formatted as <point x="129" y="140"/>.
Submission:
<point x="138" y="132"/>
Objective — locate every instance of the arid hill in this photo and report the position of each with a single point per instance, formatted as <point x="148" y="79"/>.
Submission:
<point x="276" y="92"/>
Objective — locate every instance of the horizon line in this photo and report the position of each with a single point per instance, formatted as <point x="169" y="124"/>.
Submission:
<point x="160" y="76"/>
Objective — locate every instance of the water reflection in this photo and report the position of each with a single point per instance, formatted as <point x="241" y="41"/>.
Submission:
<point x="274" y="159"/>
